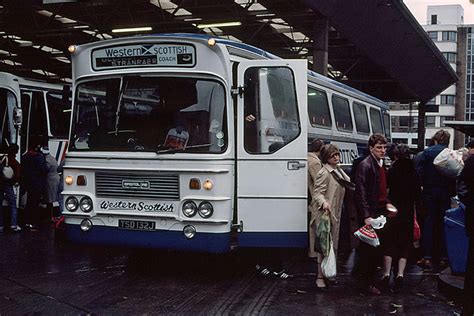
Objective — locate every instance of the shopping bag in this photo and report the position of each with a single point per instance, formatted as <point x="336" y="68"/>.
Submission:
<point x="323" y="235"/>
<point x="416" y="229"/>
<point x="7" y="171"/>
<point x="367" y="234"/>
<point x="449" y="162"/>
<point x="328" y="264"/>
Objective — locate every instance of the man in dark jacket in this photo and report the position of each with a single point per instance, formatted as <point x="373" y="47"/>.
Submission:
<point x="467" y="176"/>
<point x="371" y="201"/>
<point x="437" y="192"/>
<point x="34" y="171"/>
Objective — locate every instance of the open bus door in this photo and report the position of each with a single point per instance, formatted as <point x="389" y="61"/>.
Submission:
<point x="271" y="153"/>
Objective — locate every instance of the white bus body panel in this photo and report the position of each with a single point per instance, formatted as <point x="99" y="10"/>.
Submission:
<point x="271" y="194"/>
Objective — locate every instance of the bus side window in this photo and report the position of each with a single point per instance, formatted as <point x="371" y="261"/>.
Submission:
<point x="376" y="121"/>
<point x="270" y="109"/>
<point x="318" y="108"/>
<point x="25" y="107"/>
<point x="342" y="113"/>
<point x="386" y="120"/>
<point x="7" y="100"/>
<point x="361" y="118"/>
<point x="38" y="126"/>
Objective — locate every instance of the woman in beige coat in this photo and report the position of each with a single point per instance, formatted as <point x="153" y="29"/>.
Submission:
<point x="314" y="165"/>
<point x="329" y="197"/>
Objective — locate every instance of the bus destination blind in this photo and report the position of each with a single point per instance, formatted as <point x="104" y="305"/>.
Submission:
<point x="144" y="55"/>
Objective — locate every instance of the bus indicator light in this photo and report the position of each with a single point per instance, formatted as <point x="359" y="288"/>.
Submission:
<point x="194" y="184"/>
<point x="71" y="49"/>
<point x="81" y="180"/>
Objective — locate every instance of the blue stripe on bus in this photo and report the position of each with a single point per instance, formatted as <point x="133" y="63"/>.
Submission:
<point x="169" y="240"/>
<point x="59" y="150"/>
<point x="274" y="239"/>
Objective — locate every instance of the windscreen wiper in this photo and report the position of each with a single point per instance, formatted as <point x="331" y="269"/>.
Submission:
<point x="175" y="150"/>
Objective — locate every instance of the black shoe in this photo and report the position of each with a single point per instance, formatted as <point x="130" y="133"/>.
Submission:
<point x="385" y="283"/>
<point x="321" y="288"/>
<point x="331" y="281"/>
<point x="398" y="284"/>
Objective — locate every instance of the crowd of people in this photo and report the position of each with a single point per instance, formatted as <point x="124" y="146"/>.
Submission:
<point x="39" y="177"/>
<point x="399" y="195"/>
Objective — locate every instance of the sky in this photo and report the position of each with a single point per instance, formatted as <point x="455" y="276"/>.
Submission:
<point x="418" y="8"/>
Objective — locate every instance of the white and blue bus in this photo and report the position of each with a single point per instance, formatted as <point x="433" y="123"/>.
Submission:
<point x="45" y="114"/>
<point x="188" y="142"/>
<point x="34" y="111"/>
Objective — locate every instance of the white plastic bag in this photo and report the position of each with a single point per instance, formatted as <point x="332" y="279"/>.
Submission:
<point x="449" y="162"/>
<point x="7" y="171"/>
<point x="328" y="264"/>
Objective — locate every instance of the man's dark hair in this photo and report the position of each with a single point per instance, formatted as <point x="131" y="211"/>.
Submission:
<point x="441" y="137"/>
<point x="470" y="144"/>
<point x="316" y="145"/>
<point x="376" y="139"/>
<point x="13" y="149"/>
<point x="401" y="151"/>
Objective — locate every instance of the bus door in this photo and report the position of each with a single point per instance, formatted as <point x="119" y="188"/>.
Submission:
<point x="271" y="153"/>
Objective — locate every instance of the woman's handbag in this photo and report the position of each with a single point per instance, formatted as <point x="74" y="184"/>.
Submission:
<point x="416" y="229"/>
<point x="368" y="235"/>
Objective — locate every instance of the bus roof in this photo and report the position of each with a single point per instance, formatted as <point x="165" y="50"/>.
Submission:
<point x="265" y="54"/>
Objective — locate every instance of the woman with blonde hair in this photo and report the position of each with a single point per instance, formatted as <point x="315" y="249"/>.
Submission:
<point x="329" y="189"/>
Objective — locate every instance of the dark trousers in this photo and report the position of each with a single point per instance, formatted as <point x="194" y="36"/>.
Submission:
<point x="369" y="258"/>
<point x="437" y="202"/>
<point x="32" y="207"/>
<point x="468" y="291"/>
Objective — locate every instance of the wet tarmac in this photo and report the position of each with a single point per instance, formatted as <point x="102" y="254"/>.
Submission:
<point x="41" y="276"/>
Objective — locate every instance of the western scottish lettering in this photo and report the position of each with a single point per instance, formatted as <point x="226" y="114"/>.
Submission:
<point x="137" y="206"/>
<point x="144" y="55"/>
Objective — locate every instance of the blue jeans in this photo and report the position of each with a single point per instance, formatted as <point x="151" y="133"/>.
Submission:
<point x="437" y="202"/>
<point x="8" y="194"/>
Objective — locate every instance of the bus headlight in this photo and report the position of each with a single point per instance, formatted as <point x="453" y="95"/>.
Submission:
<point x="189" y="209"/>
<point x="205" y="209"/>
<point x="86" y="204"/>
<point x="86" y="225"/>
<point x="189" y="231"/>
<point x="71" y="204"/>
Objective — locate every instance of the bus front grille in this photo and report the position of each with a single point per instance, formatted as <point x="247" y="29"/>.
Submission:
<point x="161" y="186"/>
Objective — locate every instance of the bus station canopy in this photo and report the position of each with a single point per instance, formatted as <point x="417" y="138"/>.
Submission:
<point x="466" y="127"/>
<point x="375" y="46"/>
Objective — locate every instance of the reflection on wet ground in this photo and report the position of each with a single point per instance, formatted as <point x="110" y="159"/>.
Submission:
<point x="39" y="275"/>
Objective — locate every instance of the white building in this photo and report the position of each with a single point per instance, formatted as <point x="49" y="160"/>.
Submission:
<point x="443" y="23"/>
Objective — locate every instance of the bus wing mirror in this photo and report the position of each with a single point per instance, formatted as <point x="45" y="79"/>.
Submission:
<point x="17" y="117"/>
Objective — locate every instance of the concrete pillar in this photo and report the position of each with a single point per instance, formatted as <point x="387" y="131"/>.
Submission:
<point x="421" y="125"/>
<point x="320" y="47"/>
<point x="460" y="100"/>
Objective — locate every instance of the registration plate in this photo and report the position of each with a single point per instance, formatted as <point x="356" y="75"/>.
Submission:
<point x="136" y="225"/>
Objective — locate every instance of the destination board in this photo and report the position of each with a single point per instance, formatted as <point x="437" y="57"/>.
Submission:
<point x="144" y="55"/>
